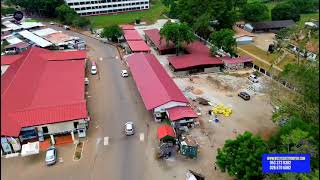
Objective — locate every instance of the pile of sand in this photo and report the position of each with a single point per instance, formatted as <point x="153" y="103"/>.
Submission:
<point x="197" y="91"/>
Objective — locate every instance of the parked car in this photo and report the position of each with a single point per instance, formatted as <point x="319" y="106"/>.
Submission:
<point x="66" y="27"/>
<point x="253" y="78"/>
<point x="86" y="81"/>
<point x="129" y="128"/>
<point x="51" y="156"/>
<point x="94" y="69"/>
<point x="52" y="23"/>
<point x="124" y="73"/>
<point x="244" y="96"/>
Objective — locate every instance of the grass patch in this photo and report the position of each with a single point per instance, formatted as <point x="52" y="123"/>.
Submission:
<point x="155" y="12"/>
<point x="31" y="20"/>
<point x="288" y="59"/>
<point x="260" y="53"/>
<point x="78" y="151"/>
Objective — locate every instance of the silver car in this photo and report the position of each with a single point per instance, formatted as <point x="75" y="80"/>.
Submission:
<point x="129" y="128"/>
<point x="51" y="156"/>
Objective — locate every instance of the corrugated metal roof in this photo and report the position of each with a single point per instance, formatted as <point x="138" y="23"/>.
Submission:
<point x="13" y="40"/>
<point x="165" y="130"/>
<point x="28" y="25"/>
<point x="35" y="90"/>
<point x="181" y="112"/>
<point x="199" y="56"/>
<point x="132" y="35"/>
<point x="44" y="32"/>
<point x="138" y="46"/>
<point x="154" y="36"/>
<point x="154" y="84"/>
<point x="127" y="27"/>
<point x="7" y="60"/>
<point x="11" y="25"/>
<point x="34" y="38"/>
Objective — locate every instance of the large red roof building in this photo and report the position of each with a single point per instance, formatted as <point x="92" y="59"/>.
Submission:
<point x="42" y="87"/>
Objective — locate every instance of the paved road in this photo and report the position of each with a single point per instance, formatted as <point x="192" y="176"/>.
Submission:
<point x="108" y="154"/>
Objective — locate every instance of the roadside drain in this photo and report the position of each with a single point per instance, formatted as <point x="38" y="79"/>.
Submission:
<point x="78" y="151"/>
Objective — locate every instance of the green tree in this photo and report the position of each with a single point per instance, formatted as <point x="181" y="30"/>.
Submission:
<point x="66" y="14"/>
<point x="242" y="157"/>
<point x="7" y="10"/>
<point x="202" y="26"/>
<point x="223" y="39"/>
<point x="112" y="32"/>
<point x="179" y="34"/>
<point x="41" y="7"/>
<point x="81" y="22"/>
<point x="255" y="12"/>
<point x="285" y="11"/>
<point x="304" y="6"/>
<point x="305" y="78"/>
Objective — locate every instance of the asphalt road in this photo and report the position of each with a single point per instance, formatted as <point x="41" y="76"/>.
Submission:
<point x="108" y="153"/>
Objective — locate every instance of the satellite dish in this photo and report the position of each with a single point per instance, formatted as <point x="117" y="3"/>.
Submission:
<point x="18" y="15"/>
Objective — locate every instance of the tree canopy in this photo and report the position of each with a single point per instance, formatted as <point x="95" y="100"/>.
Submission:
<point x="41" y="7"/>
<point x="112" y="32"/>
<point x="304" y="6"/>
<point x="285" y="11"/>
<point x="242" y="157"/>
<point x="255" y="12"/>
<point x="179" y="34"/>
<point x="68" y="16"/>
<point x="224" y="39"/>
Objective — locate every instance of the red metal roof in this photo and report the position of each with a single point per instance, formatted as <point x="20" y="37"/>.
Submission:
<point x="199" y="56"/>
<point x="154" y="84"/>
<point x="7" y="60"/>
<point x="132" y="35"/>
<point x="36" y="90"/>
<point x="154" y="36"/>
<point x="229" y="60"/>
<point x="127" y="27"/>
<point x="165" y="130"/>
<point x="180" y="112"/>
<point x="138" y="46"/>
<point x="65" y="55"/>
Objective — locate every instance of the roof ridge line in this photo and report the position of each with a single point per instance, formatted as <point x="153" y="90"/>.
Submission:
<point x="15" y="75"/>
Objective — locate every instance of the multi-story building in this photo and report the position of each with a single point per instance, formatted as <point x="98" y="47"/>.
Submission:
<point x="90" y="7"/>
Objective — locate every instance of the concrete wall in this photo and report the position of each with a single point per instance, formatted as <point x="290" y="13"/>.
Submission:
<point x="57" y="128"/>
<point x="168" y="105"/>
<point x="234" y="66"/>
<point x="212" y="69"/>
<point x="181" y="73"/>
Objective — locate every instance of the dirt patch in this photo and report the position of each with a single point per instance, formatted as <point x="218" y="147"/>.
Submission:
<point x="219" y="84"/>
<point x="78" y="151"/>
<point x="197" y="91"/>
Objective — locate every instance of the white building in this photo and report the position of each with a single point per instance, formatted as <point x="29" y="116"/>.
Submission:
<point x="90" y="7"/>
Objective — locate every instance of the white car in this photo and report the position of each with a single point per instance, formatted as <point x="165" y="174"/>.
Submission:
<point x="253" y="78"/>
<point x="94" y="69"/>
<point x="51" y="23"/>
<point x="129" y="128"/>
<point x="124" y="73"/>
<point x="51" y="156"/>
